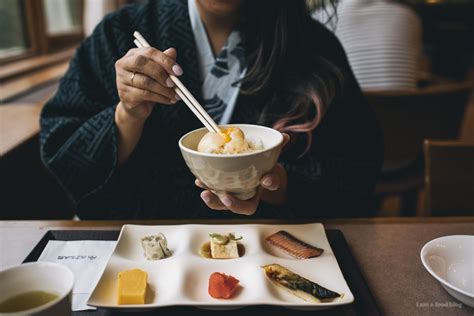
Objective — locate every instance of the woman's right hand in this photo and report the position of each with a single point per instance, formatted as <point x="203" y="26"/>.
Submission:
<point x="143" y="79"/>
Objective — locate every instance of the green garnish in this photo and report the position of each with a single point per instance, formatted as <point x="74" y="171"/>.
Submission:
<point x="232" y="237"/>
<point x="219" y="239"/>
<point x="223" y="239"/>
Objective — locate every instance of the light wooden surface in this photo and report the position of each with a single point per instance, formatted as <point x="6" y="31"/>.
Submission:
<point x="387" y="251"/>
<point x="12" y="88"/>
<point x="18" y="123"/>
<point x="15" y="69"/>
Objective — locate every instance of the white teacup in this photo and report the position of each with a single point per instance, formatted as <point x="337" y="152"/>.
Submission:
<point x="38" y="276"/>
<point x="236" y="174"/>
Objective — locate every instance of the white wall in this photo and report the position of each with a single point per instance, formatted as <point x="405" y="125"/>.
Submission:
<point x="94" y="11"/>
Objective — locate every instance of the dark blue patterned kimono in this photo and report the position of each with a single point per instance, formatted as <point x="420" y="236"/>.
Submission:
<point x="79" y="141"/>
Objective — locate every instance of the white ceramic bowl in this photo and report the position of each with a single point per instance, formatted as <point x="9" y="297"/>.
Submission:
<point x="39" y="276"/>
<point x="450" y="260"/>
<point x="236" y="174"/>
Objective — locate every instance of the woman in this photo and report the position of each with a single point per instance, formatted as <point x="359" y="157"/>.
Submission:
<point x="110" y="134"/>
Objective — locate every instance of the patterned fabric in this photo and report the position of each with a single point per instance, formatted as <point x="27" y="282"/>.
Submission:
<point x="79" y="138"/>
<point x="220" y="87"/>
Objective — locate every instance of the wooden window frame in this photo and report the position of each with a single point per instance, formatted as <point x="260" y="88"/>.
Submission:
<point x="37" y="40"/>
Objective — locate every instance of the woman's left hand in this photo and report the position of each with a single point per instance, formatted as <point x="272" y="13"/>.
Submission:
<point x="272" y="189"/>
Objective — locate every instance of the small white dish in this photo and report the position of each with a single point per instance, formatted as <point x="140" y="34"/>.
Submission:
<point x="38" y="276"/>
<point x="450" y="260"/>
<point x="182" y="279"/>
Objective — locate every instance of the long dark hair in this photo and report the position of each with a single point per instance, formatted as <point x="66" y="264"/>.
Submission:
<point x="299" y="84"/>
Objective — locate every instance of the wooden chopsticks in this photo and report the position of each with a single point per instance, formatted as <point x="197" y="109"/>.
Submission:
<point x="184" y="93"/>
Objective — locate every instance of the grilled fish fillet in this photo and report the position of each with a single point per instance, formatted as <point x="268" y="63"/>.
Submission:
<point x="298" y="285"/>
<point x="293" y="246"/>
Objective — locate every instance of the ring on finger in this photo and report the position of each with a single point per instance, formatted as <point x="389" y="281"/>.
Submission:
<point x="133" y="77"/>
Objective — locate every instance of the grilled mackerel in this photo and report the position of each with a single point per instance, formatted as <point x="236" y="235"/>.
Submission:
<point x="297" y="285"/>
<point x="293" y="246"/>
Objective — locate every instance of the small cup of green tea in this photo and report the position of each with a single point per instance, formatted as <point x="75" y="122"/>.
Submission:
<point x="36" y="288"/>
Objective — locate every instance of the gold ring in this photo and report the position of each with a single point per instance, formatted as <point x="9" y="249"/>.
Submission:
<point x="133" y="76"/>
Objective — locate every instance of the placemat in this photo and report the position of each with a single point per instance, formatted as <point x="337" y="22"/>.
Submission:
<point x="364" y="302"/>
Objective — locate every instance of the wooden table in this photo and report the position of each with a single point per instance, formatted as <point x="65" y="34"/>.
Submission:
<point x="386" y="249"/>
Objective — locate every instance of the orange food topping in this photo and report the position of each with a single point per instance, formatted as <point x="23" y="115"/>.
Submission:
<point x="225" y="132"/>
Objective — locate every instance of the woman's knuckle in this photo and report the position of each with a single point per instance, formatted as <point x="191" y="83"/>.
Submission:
<point x="122" y="90"/>
<point x="146" y="81"/>
<point x="133" y="98"/>
<point x="139" y="61"/>
<point x="161" y="73"/>
<point x="149" y="51"/>
<point x="155" y="54"/>
<point x="165" y="61"/>
<point x="145" y="93"/>
<point x="170" y="93"/>
<point x="131" y="52"/>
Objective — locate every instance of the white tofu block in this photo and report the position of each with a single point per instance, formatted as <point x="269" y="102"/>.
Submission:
<point x="227" y="251"/>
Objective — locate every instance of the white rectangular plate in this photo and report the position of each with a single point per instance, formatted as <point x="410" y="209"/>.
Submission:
<point x="182" y="279"/>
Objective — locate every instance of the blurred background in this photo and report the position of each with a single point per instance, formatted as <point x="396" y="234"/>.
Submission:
<point x="414" y="60"/>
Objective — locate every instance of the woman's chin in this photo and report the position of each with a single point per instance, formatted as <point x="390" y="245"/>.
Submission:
<point x="220" y="8"/>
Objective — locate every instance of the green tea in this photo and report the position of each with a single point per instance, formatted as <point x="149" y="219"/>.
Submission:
<point x="26" y="301"/>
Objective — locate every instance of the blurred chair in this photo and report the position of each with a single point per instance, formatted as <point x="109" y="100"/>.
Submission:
<point x="382" y="41"/>
<point x="408" y="118"/>
<point x="449" y="178"/>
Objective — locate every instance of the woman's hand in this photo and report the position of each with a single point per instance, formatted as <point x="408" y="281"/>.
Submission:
<point x="272" y="189"/>
<point x="142" y="77"/>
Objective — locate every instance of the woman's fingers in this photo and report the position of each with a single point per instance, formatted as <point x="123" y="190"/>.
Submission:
<point x="145" y="82"/>
<point x="286" y="139"/>
<point x="171" y="52"/>
<point x="143" y="65"/>
<point x="237" y="206"/>
<point x="270" y="181"/>
<point x="133" y="96"/>
<point x="212" y="201"/>
<point x="143" y="78"/>
<point x="201" y="185"/>
<point x="228" y="202"/>
<point x="275" y="183"/>
<point x="166" y="60"/>
<point x="152" y="63"/>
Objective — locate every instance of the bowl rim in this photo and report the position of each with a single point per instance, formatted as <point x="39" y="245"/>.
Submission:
<point x="428" y="268"/>
<point x="182" y="147"/>
<point x="42" y="307"/>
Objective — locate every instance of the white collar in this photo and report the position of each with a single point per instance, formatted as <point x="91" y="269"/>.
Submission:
<point x="205" y="55"/>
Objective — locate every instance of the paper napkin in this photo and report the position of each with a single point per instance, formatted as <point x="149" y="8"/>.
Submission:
<point x="86" y="259"/>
